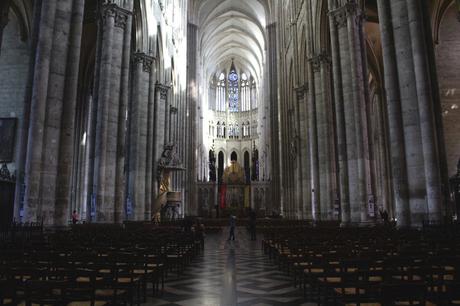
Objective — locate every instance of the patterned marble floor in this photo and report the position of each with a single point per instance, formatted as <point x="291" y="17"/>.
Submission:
<point x="230" y="273"/>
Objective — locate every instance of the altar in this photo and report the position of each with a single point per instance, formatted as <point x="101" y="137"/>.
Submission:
<point x="235" y="193"/>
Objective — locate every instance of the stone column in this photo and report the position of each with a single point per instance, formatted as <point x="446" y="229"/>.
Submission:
<point x="437" y="109"/>
<point x="411" y="108"/>
<point x="56" y="211"/>
<point x="120" y="181"/>
<point x="161" y="101"/>
<point x="340" y="18"/>
<point x="340" y="121"/>
<point x="347" y="20"/>
<point x="67" y="133"/>
<point x="311" y="117"/>
<point x="327" y="143"/>
<point x="4" y="12"/>
<point x="304" y="159"/>
<point x="425" y="110"/>
<point x="150" y="175"/>
<point x="354" y="20"/>
<point x="320" y="65"/>
<point x="19" y="201"/>
<point x="113" y="22"/>
<point x="49" y="151"/>
<point x="273" y="107"/>
<point x="34" y="153"/>
<point x="410" y="113"/>
<point x="313" y="135"/>
<point x="396" y="133"/>
<point x="320" y="142"/>
<point x="138" y="133"/>
<point x="191" y="118"/>
<point x="102" y="100"/>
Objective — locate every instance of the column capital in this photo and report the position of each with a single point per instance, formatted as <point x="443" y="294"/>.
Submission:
<point x="192" y="25"/>
<point x="145" y="60"/>
<point x="271" y="25"/>
<point x="114" y="11"/>
<point x="301" y="91"/>
<point x="162" y="89"/>
<point x="340" y="15"/>
<point x="319" y="60"/>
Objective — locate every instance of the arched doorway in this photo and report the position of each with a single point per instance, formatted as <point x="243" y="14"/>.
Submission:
<point x="247" y="167"/>
<point x="220" y="166"/>
<point x="255" y="165"/>
<point x="234" y="156"/>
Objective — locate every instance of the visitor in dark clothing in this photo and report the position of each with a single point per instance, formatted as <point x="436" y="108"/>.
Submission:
<point x="232" y="228"/>
<point x="384" y="216"/>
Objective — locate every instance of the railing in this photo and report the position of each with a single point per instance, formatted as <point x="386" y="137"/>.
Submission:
<point x="207" y="193"/>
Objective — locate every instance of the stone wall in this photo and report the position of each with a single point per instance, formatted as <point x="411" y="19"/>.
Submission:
<point x="448" y="64"/>
<point x="14" y="64"/>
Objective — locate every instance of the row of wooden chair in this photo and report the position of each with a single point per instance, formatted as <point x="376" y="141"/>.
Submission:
<point x="93" y="265"/>
<point x="356" y="266"/>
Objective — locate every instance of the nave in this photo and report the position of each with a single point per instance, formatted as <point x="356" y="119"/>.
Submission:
<point x="292" y="263"/>
<point x="231" y="273"/>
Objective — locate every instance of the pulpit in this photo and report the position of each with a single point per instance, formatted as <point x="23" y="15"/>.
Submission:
<point x="168" y="202"/>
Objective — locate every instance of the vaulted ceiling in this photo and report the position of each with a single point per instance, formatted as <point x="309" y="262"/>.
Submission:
<point x="232" y="29"/>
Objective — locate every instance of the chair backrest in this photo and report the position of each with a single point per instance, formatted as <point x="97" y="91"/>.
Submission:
<point x="409" y="292"/>
<point x="45" y="292"/>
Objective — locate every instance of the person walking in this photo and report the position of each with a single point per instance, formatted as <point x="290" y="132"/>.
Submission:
<point x="232" y="227"/>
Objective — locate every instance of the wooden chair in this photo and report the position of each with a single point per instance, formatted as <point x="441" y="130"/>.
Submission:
<point x="400" y="293"/>
<point x="45" y="292"/>
<point x="8" y="292"/>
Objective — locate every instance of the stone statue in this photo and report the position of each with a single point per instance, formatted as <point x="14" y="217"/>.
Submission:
<point x="168" y="160"/>
<point x="212" y="167"/>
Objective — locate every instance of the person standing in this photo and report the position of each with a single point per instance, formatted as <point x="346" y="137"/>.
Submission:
<point x="252" y="224"/>
<point x="384" y="216"/>
<point x="199" y="232"/>
<point x="75" y="217"/>
<point x="232" y="227"/>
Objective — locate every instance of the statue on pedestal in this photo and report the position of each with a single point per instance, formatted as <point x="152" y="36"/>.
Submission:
<point x="166" y="199"/>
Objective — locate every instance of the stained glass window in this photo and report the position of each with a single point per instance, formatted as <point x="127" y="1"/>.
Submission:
<point x="233" y="93"/>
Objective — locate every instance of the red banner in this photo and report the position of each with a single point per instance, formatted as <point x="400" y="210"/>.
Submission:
<point x="223" y="191"/>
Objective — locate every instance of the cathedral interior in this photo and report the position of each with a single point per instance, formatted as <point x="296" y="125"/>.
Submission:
<point x="130" y="128"/>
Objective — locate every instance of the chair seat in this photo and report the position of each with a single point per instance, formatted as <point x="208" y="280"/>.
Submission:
<point x="143" y="271"/>
<point x="363" y="304"/>
<point x="87" y="303"/>
<point x="85" y="279"/>
<point x="127" y="280"/>
<point x="109" y="292"/>
<point x="314" y="270"/>
<point x="7" y="301"/>
<point x="349" y="291"/>
<point x="330" y="279"/>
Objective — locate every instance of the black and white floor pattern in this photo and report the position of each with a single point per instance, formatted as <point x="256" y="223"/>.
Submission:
<point x="230" y="273"/>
